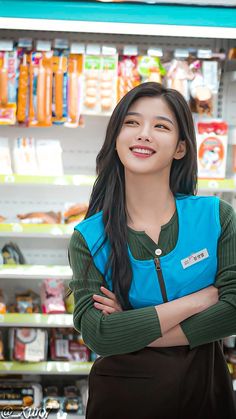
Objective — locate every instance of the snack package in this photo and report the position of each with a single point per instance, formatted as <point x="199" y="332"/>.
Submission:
<point x="75" y="213"/>
<point x="24" y="156"/>
<point x="52" y="296"/>
<point x="69" y="302"/>
<point x="49" y="217"/>
<point x="3" y="308"/>
<point x="108" y="82"/>
<point x="8" y="66"/>
<point x="212" y="142"/>
<point x="72" y="401"/>
<point x="12" y="254"/>
<point x="74" y="89"/>
<point x="128" y="75"/>
<point x="65" y="345"/>
<point x="91" y="93"/>
<point x="2" y="357"/>
<point x="51" y="401"/>
<point x="5" y="158"/>
<point x="40" y="89"/>
<point x="23" y="87"/>
<point x="15" y="395"/>
<point x="45" y="149"/>
<point x="27" y="302"/>
<point x="60" y="82"/>
<point x="178" y="76"/>
<point x="28" y="345"/>
<point x="150" y="69"/>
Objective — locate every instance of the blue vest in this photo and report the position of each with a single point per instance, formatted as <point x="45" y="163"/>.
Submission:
<point x="189" y="267"/>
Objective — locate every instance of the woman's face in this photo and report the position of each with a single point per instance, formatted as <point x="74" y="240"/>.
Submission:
<point x="148" y="139"/>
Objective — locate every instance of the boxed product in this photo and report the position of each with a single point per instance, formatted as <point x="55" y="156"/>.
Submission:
<point x="24" y="156"/>
<point x="15" y="395"/>
<point x="47" y="165"/>
<point x="28" y="344"/>
<point x="212" y="140"/>
<point x="65" y="345"/>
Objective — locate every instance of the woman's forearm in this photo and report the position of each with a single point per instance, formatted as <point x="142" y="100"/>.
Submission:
<point x="174" y="337"/>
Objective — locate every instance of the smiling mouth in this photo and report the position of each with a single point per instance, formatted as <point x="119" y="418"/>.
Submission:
<point x="142" y="152"/>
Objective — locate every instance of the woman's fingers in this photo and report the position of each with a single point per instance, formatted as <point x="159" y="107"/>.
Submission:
<point x="103" y="300"/>
<point x="102" y="307"/>
<point x="108" y="293"/>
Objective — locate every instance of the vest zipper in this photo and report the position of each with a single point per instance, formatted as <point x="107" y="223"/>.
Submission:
<point x="161" y="280"/>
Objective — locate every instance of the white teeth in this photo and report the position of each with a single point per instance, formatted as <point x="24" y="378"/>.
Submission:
<point x="142" y="151"/>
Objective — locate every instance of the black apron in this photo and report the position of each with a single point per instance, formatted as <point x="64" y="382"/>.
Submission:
<point x="162" y="383"/>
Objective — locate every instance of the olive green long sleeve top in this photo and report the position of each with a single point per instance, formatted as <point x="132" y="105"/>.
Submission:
<point x="132" y="330"/>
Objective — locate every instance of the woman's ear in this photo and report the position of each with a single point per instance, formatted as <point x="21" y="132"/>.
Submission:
<point x="180" y="150"/>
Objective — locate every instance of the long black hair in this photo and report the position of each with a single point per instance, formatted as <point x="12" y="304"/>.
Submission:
<point x="108" y="194"/>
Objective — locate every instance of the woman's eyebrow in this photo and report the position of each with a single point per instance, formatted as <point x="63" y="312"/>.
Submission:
<point x="164" y="118"/>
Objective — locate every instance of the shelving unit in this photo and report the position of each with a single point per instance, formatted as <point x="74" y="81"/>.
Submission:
<point x="45" y="246"/>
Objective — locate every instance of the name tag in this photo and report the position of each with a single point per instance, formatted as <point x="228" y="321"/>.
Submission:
<point x="195" y="258"/>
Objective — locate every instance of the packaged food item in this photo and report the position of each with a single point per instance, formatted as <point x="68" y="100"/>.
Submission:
<point x="23" y="88"/>
<point x="40" y="89"/>
<point x="69" y="301"/>
<point x="92" y="72"/>
<point x="65" y="345"/>
<point x="12" y="254"/>
<point x="108" y="82"/>
<point x="2" y="357"/>
<point x="28" y="344"/>
<point x="49" y="217"/>
<point x="72" y="402"/>
<point x="8" y="66"/>
<point x="52" y="296"/>
<point x="45" y="149"/>
<point x="3" y="308"/>
<point x="150" y="69"/>
<point x="75" y="96"/>
<point x="51" y="400"/>
<point x="27" y="302"/>
<point x="60" y="81"/>
<point x="2" y="219"/>
<point x="15" y="395"/>
<point x="212" y="142"/>
<point x="75" y="212"/>
<point x="5" y="158"/>
<point x="24" y="156"/>
<point x="178" y="76"/>
<point x="128" y="75"/>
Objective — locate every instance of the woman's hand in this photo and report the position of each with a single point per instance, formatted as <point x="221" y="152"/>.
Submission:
<point x="108" y="304"/>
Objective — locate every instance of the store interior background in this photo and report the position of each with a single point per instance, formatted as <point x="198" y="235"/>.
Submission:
<point x="46" y="182"/>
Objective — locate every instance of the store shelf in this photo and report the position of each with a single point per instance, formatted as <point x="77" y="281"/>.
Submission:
<point x="135" y="19"/>
<point x="22" y="272"/>
<point x="45" y="368"/>
<point x="36" y="230"/>
<point x="36" y="320"/>
<point x="220" y="185"/>
<point x="76" y="180"/>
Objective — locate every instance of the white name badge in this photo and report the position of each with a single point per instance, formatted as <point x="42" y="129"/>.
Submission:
<point x="195" y="258"/>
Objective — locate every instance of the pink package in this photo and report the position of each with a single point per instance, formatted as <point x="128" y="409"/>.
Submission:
<point x="52" y="296"/>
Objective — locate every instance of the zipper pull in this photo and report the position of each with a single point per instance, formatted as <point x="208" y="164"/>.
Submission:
<point x="157" y="264"/>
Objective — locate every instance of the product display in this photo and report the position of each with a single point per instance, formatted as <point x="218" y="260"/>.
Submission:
<point x="51" y="81"/>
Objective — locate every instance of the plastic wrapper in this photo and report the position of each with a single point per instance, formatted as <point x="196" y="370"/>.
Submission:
<point x="52" y="296"/>
<point x="128" y="75"/>
<point x="5" y="157"/>
<point x="45" y="149"/>
<point x="24" y="156"/>
<point x="8" y="87"/>
<point x="65" y="345"/>
<point x="39" y="217"/>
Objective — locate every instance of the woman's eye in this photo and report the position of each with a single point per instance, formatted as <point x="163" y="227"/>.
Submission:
<point x="161" y="126"/>
<point x="131" y="122"/>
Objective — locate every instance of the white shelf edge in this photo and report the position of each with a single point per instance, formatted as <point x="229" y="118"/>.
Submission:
<point x="117" y="28"/>
<point x="9" y="273"/>
<point x="51" y="320"/>
<point x="35" y="235"/>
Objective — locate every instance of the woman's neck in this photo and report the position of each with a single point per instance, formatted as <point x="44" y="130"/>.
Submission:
<point x="148" y="199"/>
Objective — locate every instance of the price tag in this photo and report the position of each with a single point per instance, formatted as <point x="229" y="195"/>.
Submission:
<point x="130" y="50"/>
<point x="77" y="48"/>
<point x="93" y="49"/>
<point x="43" y="45"/>
<point x="6" y="45"/>
<point x="155" y="52"/>
<point x="181" y="53"/>
<point x="204" y="53"/>
<point x="109" y="50"/>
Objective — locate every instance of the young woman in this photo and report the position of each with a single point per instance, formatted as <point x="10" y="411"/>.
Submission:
<point x="154" y="270"/>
